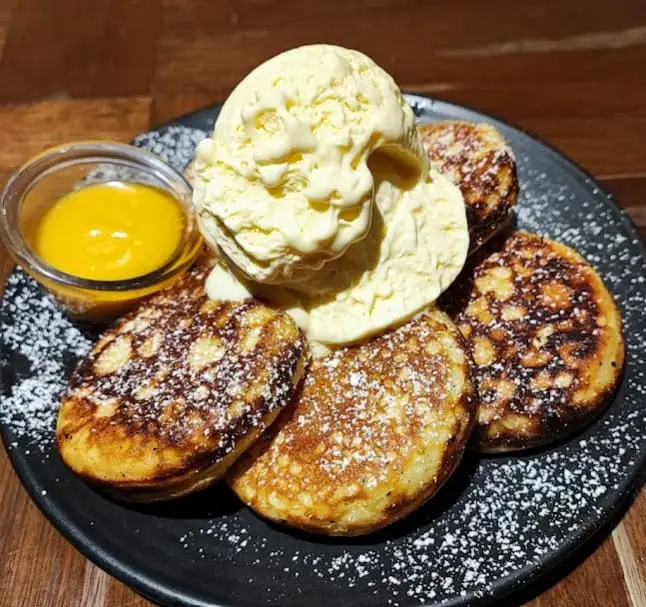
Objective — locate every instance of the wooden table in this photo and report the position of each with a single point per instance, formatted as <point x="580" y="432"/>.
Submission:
<point x="573" y="73"/>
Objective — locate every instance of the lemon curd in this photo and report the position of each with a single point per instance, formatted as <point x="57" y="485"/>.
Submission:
<point x="110" y="231"/>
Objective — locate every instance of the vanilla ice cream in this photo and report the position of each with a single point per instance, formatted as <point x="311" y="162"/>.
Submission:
<point x="284" y="185"/>
<point x="315" y="186"/>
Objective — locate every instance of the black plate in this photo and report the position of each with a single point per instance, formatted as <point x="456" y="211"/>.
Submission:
<point x="498" y="523"/>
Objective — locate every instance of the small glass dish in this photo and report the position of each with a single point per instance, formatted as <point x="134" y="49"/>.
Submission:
<point x="38" y="184"/>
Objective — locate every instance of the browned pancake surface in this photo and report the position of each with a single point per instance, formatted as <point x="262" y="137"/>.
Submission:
<point x="177" y="387"/>
<point x="375" y="432"/>
<point x="477" y="159"/>
<point x="545" y="336"/>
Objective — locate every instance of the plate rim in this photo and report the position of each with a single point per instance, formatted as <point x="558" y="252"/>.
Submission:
<point x="629" y="485"/>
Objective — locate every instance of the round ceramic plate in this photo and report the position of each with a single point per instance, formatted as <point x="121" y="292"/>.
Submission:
<point x="499" y="521"/>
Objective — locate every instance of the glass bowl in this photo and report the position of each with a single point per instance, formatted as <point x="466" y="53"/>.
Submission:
<point x="39" y="183"/>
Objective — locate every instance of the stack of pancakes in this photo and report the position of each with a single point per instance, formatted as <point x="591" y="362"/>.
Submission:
<point x="523" y="349"/>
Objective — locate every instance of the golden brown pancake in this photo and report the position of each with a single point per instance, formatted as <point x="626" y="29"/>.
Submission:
<point x="476" y="158"/>
<point x="546" y="340"/>
<point x="374" y="433"/>
<point x="172" y="394"/>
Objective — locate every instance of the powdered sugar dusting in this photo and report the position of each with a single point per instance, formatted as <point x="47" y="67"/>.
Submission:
<point x="494" y="518"/>
<point x="36" y="333"/>
<point x="174" y="144"/>
<point x="186" y="371"/>
<point x="367" y="413"/>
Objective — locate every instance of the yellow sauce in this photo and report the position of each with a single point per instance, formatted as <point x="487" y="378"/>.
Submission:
<point x="110" y="231"/>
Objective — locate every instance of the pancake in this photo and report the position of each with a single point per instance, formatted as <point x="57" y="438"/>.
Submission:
<point x="374" y="433"/>
<point x="476" y="158"/>
<point x="172" y="394"/>
<point x="546" y="340"/>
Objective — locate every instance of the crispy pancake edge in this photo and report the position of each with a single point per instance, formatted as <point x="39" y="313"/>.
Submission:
<point x="608" y="353"/>
<point x="399" y="506"/>
<point x="476" y="157"/>
<point x="182" y="468"/>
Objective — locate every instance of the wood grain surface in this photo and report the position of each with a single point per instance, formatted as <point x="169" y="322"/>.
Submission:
<point x="573" y="73"/>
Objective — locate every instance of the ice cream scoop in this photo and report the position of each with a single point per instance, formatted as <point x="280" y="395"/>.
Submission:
<point x="315" y="188"/>
<point x="283" y="186"/>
